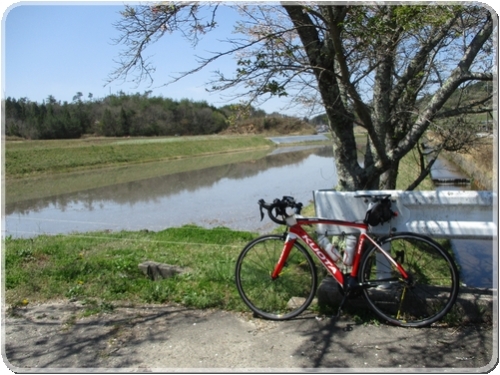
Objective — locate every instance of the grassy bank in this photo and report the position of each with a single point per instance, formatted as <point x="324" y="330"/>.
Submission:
<point x="409" y="171"/>
<point x="481" y="173"/>
<point x="408" y="167"/>
<point x="31" y="158"/>
<point x="99" y="269"/>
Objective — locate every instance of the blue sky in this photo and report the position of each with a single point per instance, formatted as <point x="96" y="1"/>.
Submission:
<point x="60" y="49"/>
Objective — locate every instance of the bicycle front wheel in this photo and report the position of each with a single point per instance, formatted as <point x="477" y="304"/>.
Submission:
<point x="284" y="297"/>
<point x="419" y="301"/>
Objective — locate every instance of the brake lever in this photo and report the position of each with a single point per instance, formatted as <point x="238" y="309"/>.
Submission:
<point x="261" y="203"/>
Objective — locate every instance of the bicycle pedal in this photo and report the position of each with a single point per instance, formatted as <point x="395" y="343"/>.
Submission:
<point x="344" y="299"/>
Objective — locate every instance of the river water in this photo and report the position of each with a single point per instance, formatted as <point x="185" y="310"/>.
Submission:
<point x="220" y="190"/>
<point x="223" y="194"/>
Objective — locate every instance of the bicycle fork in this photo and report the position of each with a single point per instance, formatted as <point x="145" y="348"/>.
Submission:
<point x="289" y="242"/>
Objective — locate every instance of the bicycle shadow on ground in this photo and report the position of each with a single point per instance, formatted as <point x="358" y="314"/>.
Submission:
<point x="341" y="343"/>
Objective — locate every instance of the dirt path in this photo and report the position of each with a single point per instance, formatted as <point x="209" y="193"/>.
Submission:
<point x="173" y="338"/>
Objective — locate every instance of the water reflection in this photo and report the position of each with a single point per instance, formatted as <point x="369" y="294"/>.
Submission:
<point x="63" y="184"/>
<point x="217" y="195"/>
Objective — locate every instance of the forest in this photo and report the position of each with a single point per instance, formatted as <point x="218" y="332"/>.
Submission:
<point x="121" y="115"/>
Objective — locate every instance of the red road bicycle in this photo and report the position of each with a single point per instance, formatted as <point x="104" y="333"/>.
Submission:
<point x="407" y="279"/>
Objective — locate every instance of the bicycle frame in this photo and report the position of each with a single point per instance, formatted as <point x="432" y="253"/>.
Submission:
<point x="295" y="232"/>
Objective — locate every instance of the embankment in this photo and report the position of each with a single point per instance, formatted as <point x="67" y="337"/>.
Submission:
<point x="479" y="165"/>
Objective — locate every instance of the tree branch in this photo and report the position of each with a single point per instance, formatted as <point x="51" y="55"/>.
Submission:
<point x="458" y="76"/>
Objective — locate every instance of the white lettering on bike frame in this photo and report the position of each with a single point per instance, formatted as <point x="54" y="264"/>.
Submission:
<point x="296" y="231"/>
<point x="324" y="258"/>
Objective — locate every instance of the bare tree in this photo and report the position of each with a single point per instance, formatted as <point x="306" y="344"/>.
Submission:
<point x="389" y="69"/>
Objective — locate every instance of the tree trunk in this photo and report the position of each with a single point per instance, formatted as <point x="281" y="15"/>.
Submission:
<point x="388" y="179"/>
<point x="321" y="55"/>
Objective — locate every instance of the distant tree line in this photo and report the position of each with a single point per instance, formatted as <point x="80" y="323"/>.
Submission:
<point x="116" y="115"/>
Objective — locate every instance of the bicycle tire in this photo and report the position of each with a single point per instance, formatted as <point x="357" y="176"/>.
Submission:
<point x="433" y="286"/>
<point x="288" y="295"/>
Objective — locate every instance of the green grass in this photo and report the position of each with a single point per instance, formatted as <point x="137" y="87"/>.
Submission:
<point x="408" y="172"/>
<point x="28" y="158"/>
<point x="101" y="268"/>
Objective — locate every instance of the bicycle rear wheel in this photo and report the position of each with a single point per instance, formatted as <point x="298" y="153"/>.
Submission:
<point x="288" y="295"/>
<point x="420" y="301"/>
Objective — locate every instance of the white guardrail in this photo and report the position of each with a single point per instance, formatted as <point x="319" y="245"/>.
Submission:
<point x="438" y="214"/>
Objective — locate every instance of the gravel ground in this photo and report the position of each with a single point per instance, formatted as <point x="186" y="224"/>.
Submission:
<point x="55" y="338"/>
